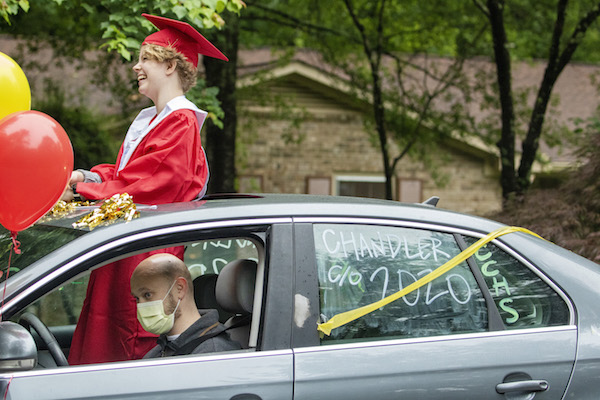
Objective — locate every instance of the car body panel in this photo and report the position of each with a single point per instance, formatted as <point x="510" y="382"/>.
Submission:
<point x="268" y="375"/>
<point x="450" y="367"/>
<point x="579" y="278"/>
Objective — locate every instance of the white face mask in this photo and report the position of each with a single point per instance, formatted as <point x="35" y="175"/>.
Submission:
<point x="153" y="318"/>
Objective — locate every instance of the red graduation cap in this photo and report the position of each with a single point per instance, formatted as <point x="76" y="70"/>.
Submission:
<point x="182" y="37"/>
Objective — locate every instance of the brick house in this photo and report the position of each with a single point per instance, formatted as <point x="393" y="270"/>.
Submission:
<point x="330" y="152"/>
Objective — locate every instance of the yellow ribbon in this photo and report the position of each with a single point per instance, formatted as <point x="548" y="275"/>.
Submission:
<point x="343" y="318"/>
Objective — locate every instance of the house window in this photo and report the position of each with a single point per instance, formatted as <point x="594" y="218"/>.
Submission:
<point x="361" y="186"/>
<point x="410" y="190"/>
<point x="318" y="185"/>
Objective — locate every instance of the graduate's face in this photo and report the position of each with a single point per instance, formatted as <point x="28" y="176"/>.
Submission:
<point x="151" y="75"/>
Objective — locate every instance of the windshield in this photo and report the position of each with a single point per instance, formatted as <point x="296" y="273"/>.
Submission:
<point x="36" y="242"/>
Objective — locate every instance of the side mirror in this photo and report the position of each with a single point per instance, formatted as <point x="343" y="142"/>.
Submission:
<point x="18" y="351"/>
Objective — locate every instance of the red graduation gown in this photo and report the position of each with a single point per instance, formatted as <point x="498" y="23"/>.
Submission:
<point x="167" y="166"/>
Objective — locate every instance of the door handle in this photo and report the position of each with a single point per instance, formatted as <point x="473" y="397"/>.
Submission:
<point x="523" y="386"/>
<point x="246" y="396"/>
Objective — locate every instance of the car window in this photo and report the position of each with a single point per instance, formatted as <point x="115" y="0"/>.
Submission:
<point x="210" y="256"/>
<point x="361" y="264"/>
<point x="522" y="297"/>
<point x="63" y="305"/>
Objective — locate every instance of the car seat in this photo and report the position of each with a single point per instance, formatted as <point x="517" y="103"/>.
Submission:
<point x="235" y="294"/>
<point x="205" y="297"/>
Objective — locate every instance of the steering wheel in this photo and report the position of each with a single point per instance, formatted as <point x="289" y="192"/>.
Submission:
<point x="31" y="320"/>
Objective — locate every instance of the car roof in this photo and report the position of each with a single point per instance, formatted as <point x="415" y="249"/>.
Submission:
<point x="255" y="206"/>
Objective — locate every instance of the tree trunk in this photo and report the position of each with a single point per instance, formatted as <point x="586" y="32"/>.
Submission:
<point x="506" y="144"/>
<point x="220" y="143"/>
<point x="532" y="140"/>
<point x="382" y="134"/>
<point x="373" y="54"/>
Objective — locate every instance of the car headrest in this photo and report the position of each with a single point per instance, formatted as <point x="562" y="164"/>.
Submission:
<point x="235" y="286"/>
<point x="205" y="296"/>
<point x="204" y="291"/>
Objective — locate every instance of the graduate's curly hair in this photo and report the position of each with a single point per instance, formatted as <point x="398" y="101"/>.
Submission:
<point x="185" y="69"/>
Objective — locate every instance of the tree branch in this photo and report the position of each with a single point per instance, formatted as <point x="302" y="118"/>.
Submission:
<point x="506" y="144"/>
<point x="403" y="153"/>
<point x="557" y="34"/>
<point x="292" y="22"/>
<point x="379" y="47"/>
<point x="577" y="35"/>
<point x="482" y="8"/>
<point x="360" y="27"/>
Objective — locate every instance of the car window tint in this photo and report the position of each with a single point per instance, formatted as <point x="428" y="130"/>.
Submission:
<point x="522" y="297"/>
<point x="361" y="264"/>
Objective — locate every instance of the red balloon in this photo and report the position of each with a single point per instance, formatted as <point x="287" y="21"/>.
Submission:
<point x="36" y="160"/>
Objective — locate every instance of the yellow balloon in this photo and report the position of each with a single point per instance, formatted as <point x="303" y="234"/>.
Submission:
<point x="15" y="94"/>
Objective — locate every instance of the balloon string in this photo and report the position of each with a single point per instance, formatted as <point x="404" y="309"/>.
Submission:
<point x="7" y="386"/>
<point x="16" y="245"/>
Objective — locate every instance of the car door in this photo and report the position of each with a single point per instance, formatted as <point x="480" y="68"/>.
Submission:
<point x="264" y="370"/>
<point x="251" y="375"/>
<point x="489" y="328"/>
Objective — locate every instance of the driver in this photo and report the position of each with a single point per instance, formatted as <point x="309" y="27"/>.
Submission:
<point x="162" y="287"/>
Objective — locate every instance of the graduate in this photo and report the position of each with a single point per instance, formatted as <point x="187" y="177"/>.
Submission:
<point x="160" y="161"/>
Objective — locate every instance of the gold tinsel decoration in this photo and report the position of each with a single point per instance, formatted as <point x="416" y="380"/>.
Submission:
<point x="119" y="206"/>
<point x="62" y="208"/>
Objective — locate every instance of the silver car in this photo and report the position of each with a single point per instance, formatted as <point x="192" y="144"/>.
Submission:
<point x="517" y="319"/>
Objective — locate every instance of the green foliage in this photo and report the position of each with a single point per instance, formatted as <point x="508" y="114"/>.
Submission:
<point x="207" y="97"/>
<point x="91" y="142"/>
<point x="11" y="7"/>
<point x="529" y="26"/>
<point x="116" y="22"/>
<point x="124" y="29"/>
<point x="68" y="29"/>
